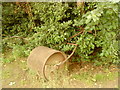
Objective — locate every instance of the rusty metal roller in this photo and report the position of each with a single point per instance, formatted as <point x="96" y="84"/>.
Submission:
<point x="42" y="59"/>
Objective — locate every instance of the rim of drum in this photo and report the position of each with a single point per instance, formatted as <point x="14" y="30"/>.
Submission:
<point x="64" y="56"/>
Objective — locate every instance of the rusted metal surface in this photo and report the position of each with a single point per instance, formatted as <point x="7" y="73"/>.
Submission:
<point x="43" y="60"/>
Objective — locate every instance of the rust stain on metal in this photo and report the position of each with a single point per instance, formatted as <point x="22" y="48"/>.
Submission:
<point x="42" y="59"/>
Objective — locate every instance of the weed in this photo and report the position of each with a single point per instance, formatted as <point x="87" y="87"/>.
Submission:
<point x="90" y="78"/>
<point x="62" y="82"/>
<point x="6" y="74"/>
<point x="23" y="82"/>
<point x="82" y="76"/>
<point x="18" y="51"/>
<point x="8" y="60"/>
<point x="99" y="77"/>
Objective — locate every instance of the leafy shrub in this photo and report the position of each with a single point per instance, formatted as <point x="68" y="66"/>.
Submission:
<point x="29" y="25"/>
<point x="18" y="51"/>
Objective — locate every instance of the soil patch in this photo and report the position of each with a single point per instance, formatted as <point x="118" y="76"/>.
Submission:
<point x="17" y="75"/>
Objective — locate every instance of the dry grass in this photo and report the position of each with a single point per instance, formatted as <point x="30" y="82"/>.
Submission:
<point x="17" y="75"/>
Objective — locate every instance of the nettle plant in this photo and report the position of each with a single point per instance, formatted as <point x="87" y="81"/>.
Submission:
<point x="93" y="27"/>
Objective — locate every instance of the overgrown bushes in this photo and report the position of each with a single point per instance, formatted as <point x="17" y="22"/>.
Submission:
<point x="28" y="25"/>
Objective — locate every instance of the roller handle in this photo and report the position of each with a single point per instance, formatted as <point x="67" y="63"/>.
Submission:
<point x="69" y="55"/>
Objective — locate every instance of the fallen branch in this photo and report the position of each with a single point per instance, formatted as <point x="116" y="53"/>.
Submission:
<point x="14" y="37"/>
<point x="75" y="35"/>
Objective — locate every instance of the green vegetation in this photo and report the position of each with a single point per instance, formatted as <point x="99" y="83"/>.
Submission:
<point x="28" y="25"/>
<point x="93" y="26"/>
<point x="90" y="78"/>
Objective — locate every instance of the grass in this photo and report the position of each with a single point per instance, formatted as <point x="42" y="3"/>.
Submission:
<point x="91" y="78"/>
<point x="62" y="83"/>
<point x="7" y="57"/>
<point x="31" y="79"/>
<point x="6" y="74"/>
<point x="84" y="77"/>
<point x="24" y="77"/>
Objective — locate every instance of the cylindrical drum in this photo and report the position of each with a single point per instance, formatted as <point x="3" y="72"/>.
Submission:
<point x="43" y="60"/>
